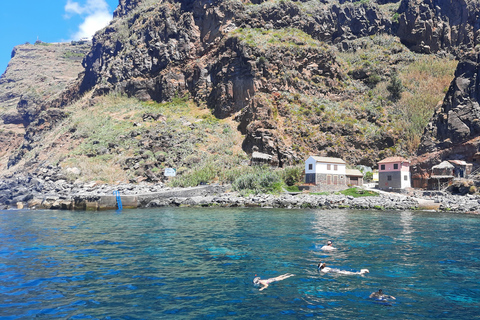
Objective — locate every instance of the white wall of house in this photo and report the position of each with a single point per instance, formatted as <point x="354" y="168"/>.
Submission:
<point x="406" y="180"/>
<point x="312" y="166"/>
<point x="331" y="168"/>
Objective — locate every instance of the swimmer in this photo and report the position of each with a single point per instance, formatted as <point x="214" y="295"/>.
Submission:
<point x="265" y="283"/>
<point x="328" y="246"/>
<point x="323" y="268"/>
<point x="381" y="296"/>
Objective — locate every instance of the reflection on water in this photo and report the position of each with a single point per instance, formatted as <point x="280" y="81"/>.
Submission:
<point x="200" y="263"/>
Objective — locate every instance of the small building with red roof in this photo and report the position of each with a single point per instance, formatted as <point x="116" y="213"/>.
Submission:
<point x="394" y="173"/>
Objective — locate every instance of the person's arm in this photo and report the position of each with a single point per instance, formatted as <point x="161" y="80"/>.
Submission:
<point x="264" y="286"/>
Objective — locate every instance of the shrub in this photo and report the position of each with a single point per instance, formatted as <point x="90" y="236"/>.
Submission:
<point x="262" y="180"/>
<point x="373" y="79"/>
<point x="368" y="176"/>
<point x="395" y="88"/>
<point x="472" y="190"/>
<point x="395" y="17"/>
<point x="293" y="175"/>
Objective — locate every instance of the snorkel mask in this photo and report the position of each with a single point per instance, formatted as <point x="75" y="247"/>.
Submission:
<point x="255" y="280"/>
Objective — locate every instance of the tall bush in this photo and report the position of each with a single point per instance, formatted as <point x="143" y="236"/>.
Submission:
<point x="395" y="88"/>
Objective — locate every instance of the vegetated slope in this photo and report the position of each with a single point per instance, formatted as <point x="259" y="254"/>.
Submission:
<point x="293" y="78"/>
<point x="36" y="73"/>
<point x="255" y="62"/>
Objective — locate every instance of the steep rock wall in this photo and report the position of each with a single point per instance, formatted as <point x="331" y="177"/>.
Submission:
<point x="36" y="75"/>
<point x="436" y="25"/>
<point x="454" y="130"/>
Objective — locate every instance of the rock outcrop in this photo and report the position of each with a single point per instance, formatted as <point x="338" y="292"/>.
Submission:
<point x="457" y="119"/>
<point x="203" y="49"/>
<point x="439" y="25"/>
<point x="264" y="64"/>
<point x="453" y="132"/>
<point x="36" y="74"/>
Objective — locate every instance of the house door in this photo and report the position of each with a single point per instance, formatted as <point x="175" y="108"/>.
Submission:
<point x="335" y="180"/>
<point x="329" y="179"/>
<point x="310" y="178"/>
<point x="354" y="181"/>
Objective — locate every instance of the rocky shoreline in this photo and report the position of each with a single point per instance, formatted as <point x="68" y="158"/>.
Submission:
<point x="49" y="192"/>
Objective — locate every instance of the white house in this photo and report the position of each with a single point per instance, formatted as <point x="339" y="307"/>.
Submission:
<point x="325" y="171"/>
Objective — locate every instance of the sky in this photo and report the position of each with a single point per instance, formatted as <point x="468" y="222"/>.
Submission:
<point x="24" y="21"/>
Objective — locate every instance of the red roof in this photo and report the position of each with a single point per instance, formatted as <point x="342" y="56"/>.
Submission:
<point x="394" y="159"/>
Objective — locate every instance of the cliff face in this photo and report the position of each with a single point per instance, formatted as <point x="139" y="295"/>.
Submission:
<point x="137" y="53"/>
<point x="296" y="77"/>
<point x="454" y="130"/>
<point x="35" y="75"/>
<point x="439" y="25"/>
<point x="203" y="49"/>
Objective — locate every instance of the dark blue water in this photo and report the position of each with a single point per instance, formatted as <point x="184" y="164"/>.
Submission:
<point x="200" y="263"/>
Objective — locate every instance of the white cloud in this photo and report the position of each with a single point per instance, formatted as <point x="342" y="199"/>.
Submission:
<point x="95" y="13"/>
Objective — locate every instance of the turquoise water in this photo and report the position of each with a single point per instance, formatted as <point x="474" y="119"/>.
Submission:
<point x="200" y="263"/>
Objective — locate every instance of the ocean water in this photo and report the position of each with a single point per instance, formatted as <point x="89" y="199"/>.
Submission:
<point x="190" y="263"/>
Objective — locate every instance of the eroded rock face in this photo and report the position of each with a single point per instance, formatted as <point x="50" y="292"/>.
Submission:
<point x="178" y="47"/>
<point x="125" y="7"/>
<point x="36" y="75"/>
<point x="436" y="25"/>
<point x="457" y="119"/>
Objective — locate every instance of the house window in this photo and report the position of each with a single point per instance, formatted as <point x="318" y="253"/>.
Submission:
<point x="310" y="166"/>
<point x="382" y="167"/>
<point x="405" y="178"/>
<point x="335" y="167"/>
<point x="389" y="178"/>
<point x="395" y="166"/>
<point x="329" y="167"/>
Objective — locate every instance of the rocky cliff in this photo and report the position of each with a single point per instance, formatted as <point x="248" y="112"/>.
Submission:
<point x="293" y="77"/>
<point x="454" y="130"/>
<point x="36" y="74"/>
<point x="439" y="25"/>
<point x="217" y="53"/>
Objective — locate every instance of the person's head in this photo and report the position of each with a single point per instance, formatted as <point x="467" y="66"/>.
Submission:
<point x="329" y="243"/>
<point x="256" y="280"/>
<point x="380" y="291"/>
<point x="322" y="265"/>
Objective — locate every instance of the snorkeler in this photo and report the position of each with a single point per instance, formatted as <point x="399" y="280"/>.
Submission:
<point x="265" y="283"/>
<point x="381" y="296"/>
<point x="328" y="246"/>
<point x="323" y="268"/>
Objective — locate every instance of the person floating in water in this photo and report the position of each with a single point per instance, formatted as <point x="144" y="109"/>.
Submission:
<point x="381" y="296"/>
<point x="328" y="246"/>
<point x="323" y="268"/>
<point x="265" y="283"/>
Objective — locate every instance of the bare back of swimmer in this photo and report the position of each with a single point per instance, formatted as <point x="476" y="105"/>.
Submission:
<point x="264" y="283"/>
<point x="323" y="268"/>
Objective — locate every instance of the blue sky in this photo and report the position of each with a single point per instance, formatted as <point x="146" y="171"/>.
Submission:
<point x="50" y="21"/>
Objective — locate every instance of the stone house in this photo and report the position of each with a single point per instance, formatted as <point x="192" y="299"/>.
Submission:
<point x="394" y="173"/>
<point x="326" y="171"/>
